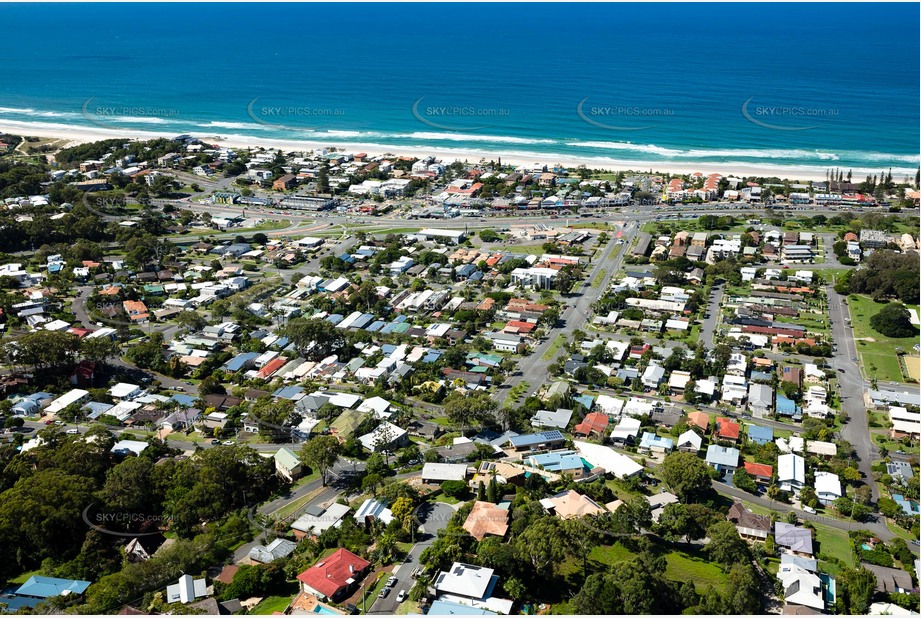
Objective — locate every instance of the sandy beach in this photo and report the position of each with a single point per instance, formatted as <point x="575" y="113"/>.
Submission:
<point x="79" y="135"/>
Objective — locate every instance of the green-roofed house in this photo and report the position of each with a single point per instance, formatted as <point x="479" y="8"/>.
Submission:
<point x="346" y="424"/>
<point x="154" y="290"/>
<point x="287" y="464"/>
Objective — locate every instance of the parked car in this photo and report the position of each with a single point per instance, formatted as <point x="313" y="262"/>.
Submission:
<point x="383" y="593"/>
<point x="73" y="432"/>
<point x="401" y="597"/>
<point x="391" y="582"/>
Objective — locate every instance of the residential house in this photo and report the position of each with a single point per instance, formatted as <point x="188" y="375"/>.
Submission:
<point x="723" y="459"/>
<point x="827" y="487"/>
<point x="485" y="519"/>
<point x="748" y="524"/>
<point x="890" y="580"/>
<point x="791" y="472"/>
<point x="689" y="442"/>
<point x="334" y="576"/>
<point x="795" y="539"/>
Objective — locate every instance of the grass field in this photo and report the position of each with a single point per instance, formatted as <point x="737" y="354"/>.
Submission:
<point x="878" y="353"/>
<point x="525" y="249"/>
<point x="266" y="606"/>
<point x="552" y="351"/>
<point x="597" y="279"/>
<point x="834" y="543"/>
<point x="681" y="566"/>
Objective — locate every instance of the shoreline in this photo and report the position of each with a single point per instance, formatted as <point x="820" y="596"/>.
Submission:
<point x="80" y="135"/>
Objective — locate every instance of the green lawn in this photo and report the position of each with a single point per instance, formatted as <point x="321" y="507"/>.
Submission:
<point x="878" y="353"/>
<point x="525" y="249"/>
<point x="24" y="577"/>
<point x="833" y="542"/>
<point x="552" y="351"/>
<point x="597" y="279"/>
<point x="694" y="568"/>
<point x="680" y="566"/>
<point x="266" y="606"/>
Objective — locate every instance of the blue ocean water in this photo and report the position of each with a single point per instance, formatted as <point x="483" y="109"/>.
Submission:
<point x="798" y="85"/>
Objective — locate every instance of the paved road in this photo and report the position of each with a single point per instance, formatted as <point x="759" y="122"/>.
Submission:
<point x="708" y="324"/>
<point x="533" y="368"/>
<point x="431" y="521"/>
<point x="852" y="387"/>
<point x="878" y="528"/>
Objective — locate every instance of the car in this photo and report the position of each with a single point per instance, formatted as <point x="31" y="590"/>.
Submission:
<point x="215" y="442"/>
<point x="383" y="594"/>
<point x="73" y="432"/>
<point x="809" y="509"/>
<point x="401" y="597"/>
<point x="49" y="421"/>
<point x="391" y="582"/>
<point x="413" y="462"/>
<point x="915" y="542"/>
<point x="840" y="370"/>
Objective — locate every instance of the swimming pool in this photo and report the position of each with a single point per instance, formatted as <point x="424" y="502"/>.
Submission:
<point x="321" y="609"/>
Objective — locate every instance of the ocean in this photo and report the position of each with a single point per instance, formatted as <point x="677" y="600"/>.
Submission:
<point x="778" y="85"/>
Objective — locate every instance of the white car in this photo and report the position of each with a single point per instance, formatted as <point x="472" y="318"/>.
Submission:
<point x="401" y="597"/>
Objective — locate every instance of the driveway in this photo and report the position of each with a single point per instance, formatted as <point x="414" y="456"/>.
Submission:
<point x="431" y="517"/>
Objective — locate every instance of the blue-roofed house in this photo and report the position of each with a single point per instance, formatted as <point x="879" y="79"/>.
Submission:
<point x="587" y="401"/>
<point x="41" y="587"/>
<point x="31" y="404"/>
<point x="246" y="360"/>
<point x="334" y="318"/>
<point x="560" y="462"/>
<point x="909" y="507"/>
<point x="441" y="607"/>
<point x="541" y="441"/>
<point x="723" y="458"/>
<point x="95" y="409"/>
<point x="464" y="272"/>
<point x="654" y="443"/>
<point x="760" y="435"/>
<point x="290" y="393"/>
<point x="183" y="400"/>
<point x="787" y="407"/>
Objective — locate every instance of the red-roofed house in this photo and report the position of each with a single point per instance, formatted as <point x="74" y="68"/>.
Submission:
<point x="271" y="367"/>
<point x="136" y="310"/>
<point x="594" y="422"/>
<point x="334" y="576"/>
<point x="727" y="429"/>
<point x="519" y="327"/>
<point x="699" y="419"/>
<point x="761" y="472"/>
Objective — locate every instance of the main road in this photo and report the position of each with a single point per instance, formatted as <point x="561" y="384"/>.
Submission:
<point x="533" y="369"/>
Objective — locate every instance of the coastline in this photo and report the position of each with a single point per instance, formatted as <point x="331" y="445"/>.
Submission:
<point x="80" y="134"/>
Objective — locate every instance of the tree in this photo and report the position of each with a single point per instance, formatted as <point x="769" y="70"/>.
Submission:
<point x="744" y="595"/>
<point x="99" y="349"/>
<point x="542" y="545"/>
<point x="744" y="481"/>
<point x="465" y="409"/>
<point x="725" y="546"/>
<point x="492" y="490"/>
<point x="315" y="339"/>
<point x="894" y="320"/>
<point x="192" y="321"/>
<point x="481" y="492"/>
<point x="686" y="475"/>
<point x="371" y="483"/>
<point x="321" y="453"/>
<point x="454" y="489"/>
<point x="582" y="537"/>
<point x="856" y="588"/>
